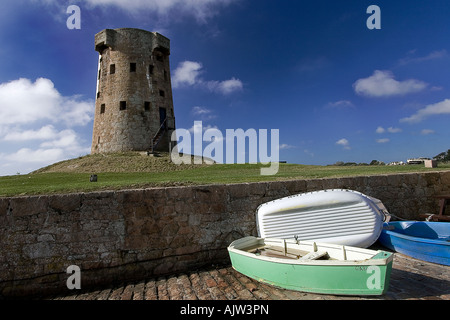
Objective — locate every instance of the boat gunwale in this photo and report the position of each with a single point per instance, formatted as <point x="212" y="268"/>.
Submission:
<point x="413" y="238"/>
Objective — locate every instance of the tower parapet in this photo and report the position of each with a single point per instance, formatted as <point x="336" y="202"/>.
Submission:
<point x="134" y="105"/>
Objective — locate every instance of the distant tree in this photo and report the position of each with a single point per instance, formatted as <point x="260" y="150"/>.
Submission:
<point x="447" y="156"/>
<point x="443" y="156"/>
<point x="374" y="163"/>
<point x="440" y="156"/>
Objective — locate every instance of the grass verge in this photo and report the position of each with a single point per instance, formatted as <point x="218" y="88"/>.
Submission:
<point x="50" y="181"/>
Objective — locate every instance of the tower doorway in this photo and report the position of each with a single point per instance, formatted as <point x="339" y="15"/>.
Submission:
<point x="162" y="118"/>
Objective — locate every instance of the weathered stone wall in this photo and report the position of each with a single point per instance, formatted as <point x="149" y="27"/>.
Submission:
<point x="115" y="236"/>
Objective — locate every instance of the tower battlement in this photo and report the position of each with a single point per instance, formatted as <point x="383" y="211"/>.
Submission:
<point x="134" y="105"/>
<point x="107" y="38"/>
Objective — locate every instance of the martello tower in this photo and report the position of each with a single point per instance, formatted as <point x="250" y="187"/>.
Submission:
<point x="134" y="106"/>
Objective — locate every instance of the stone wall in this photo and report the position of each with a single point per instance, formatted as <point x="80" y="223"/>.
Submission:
<point x="116" y="236"/>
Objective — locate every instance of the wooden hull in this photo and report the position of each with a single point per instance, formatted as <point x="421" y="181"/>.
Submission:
<point x="368" y="276"/>
<point x="427" y="241"/>
<point x="337" y="216"/>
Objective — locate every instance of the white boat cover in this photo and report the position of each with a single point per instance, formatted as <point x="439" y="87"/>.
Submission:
<point x="338" y="216"/>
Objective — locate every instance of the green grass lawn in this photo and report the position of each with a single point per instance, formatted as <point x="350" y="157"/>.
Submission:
<point x="67" y="182"/>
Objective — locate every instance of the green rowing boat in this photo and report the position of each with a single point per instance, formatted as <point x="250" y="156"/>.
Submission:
<point x="312" y="267"/>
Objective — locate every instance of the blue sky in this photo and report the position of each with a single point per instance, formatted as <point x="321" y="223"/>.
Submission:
<point x="336" y="90"/>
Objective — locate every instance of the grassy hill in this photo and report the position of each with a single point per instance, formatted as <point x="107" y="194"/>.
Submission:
<point x="136" y="170"/>
<point x="117" y="162"/>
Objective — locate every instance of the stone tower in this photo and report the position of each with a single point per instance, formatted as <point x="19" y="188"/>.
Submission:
<point x="134" y="106"/>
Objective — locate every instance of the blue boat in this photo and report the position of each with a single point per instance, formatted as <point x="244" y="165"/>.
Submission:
<point x="427" y="241"/>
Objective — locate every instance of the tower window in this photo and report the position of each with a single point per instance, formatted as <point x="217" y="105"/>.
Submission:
<point x="165" y="75"/>
<point x="150" y="69"/>
<point x="160" y="57"/>
<point x="162" y="93"/>
<point x="123" y="105"/>
<point x="147" y="106"/>
<point x="98" y="94"/>
<point x="112" y="69"/>
<point x="133" y="67"/>
<point x="102" y="108"/>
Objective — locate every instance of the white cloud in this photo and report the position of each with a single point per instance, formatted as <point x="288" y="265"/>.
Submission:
<point x="65" y="146"/>
<point x="200" y="110"/>
<point x="67" y="139"/>
<point x="285" y="146"/>
<point x="341" y="104"/>
<point x="200" y="9"/>
<point x="76" y="113"/>
<point x="23" y="102"/>
<point x="203" y="113"/>
<point x="44" y="133"/>
<point x="380" y="130"/>
<point x="344" y="143"/>
<point x="390" y="130"/>
<point x="225" y="87"/>
<point x="188" y="74"/>
<point x="425" y="132"/>
<point x="383" y="84"/>
<point x="36" y="111"/>
<point x="394" y="130"/>
<point x="27" y="155"/>
<point x="199" y="128"/>
<point x="439" y="108"/>
<point x="384" y="140"/>
<point x="439" y="54"/>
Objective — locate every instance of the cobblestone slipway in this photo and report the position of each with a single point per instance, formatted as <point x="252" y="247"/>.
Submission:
<point x="410" y="279"/>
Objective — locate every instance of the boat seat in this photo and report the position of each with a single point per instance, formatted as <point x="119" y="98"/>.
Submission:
<point x="313" y="255"/>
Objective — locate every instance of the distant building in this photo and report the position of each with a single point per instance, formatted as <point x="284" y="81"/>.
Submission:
<point x="417" y="160"/>
<point x="134" y="105"/>
<point x="396" y="163"/>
